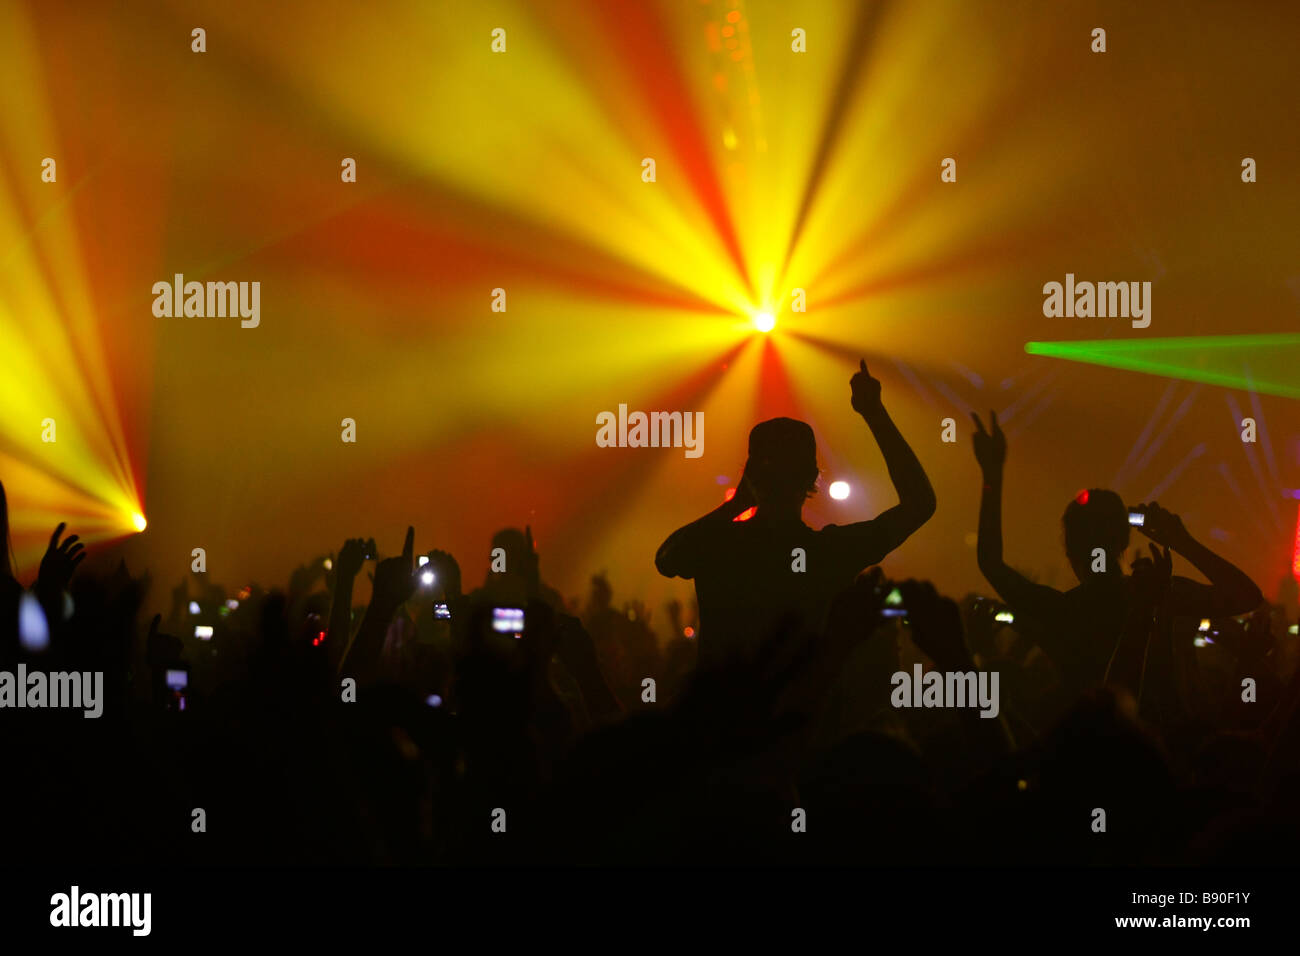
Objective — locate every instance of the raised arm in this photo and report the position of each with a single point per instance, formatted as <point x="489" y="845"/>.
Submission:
<point x="1012" y="586"/>
<point x="1230" y="591"/>
<point x="916" y="500"/>
<point x="394" y="585"/>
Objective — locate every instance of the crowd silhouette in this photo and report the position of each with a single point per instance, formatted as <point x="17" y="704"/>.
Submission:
<point x="506" y="723"/>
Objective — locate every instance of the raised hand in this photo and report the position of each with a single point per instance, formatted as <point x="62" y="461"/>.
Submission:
<point x="351" y="557"/>
<point x="394" y="577"/>
<point x="60" y="561"/>
<point x="936" y="625"/>
<point x="990" y="446"/>
<point x="446" y="573"/>
<point x="866" y="390"/>
<point x="1153" y="576"/>
<point x="1161" y="526"/>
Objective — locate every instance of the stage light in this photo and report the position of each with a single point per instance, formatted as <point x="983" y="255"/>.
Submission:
<point x="764" y="321"/>
<point x="839" y="490"/>
<point x="427" y="579"/>
<point x="33" y="628"/>
<point x="138" y="520"/>
<point x="1295" y="563"/>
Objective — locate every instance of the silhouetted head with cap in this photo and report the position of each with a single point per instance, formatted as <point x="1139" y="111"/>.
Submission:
<point x="782" y="466"/>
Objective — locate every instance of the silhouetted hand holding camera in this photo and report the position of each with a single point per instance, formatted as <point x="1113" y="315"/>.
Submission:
<point x="936" y="625"/>
<point x="351" y="557"/>
<point x="1163" y="527"/>
<point x="446" y="574"/>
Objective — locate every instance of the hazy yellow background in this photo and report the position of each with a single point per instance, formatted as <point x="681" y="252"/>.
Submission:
<point x="522" y="170"/>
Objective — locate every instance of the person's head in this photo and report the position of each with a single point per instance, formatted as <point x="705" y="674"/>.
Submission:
<point x="1096" y="518"/>
<point x="782" y="462"/>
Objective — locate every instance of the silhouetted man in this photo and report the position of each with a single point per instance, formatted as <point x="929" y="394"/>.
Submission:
<point x="746" y="573"/>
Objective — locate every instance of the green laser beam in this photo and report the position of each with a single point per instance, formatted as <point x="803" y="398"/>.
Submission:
<point x="1269" y="364"/>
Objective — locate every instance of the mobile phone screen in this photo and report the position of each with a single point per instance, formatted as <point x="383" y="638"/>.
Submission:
<point x="508" y="620"/>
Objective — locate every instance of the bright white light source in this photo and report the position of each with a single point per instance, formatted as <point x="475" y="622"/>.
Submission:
<point x="839" y="490"/>
<point x="424" y="559"/>
<point x="764" y="321"/>
<point x="232" y="604"/>
<point x="194" y="607"/>
<point x="433" y="700"/>
<point x="33" y="629"/>
<point x="139" y="521"/>
<point x="427" y="579"/>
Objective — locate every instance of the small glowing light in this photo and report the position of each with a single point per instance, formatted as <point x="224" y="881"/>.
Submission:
<point x="729" y="494"/>
<point x="329" y="565"/>
<point x="1082" y="497"/>
<point x="746" y="514"/>
<point x="194" y="607"/>
<point x="424" y="559"/>
<point x="1004" y="617"/>
<point x="1198" y="641"/>
<point x="232" y="604"/>
<point x="318" y="639"/>
<point x="433" y="700"/>
<point x="1205" y="624"/>
<point x="839" y="490"/>
<point x="1022" y="785"/>
<point x="139" y="521"/>
<point x="203" y="632"/>
<point x="33" y="628"/>
<point x="426" y="578"/>
<point x="689" y="632"/>
<point x="764" y="321"/>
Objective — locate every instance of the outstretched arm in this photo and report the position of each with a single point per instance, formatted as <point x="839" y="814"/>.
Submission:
<point x="916" y="500"/>
<point x="1012" y="586"/>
